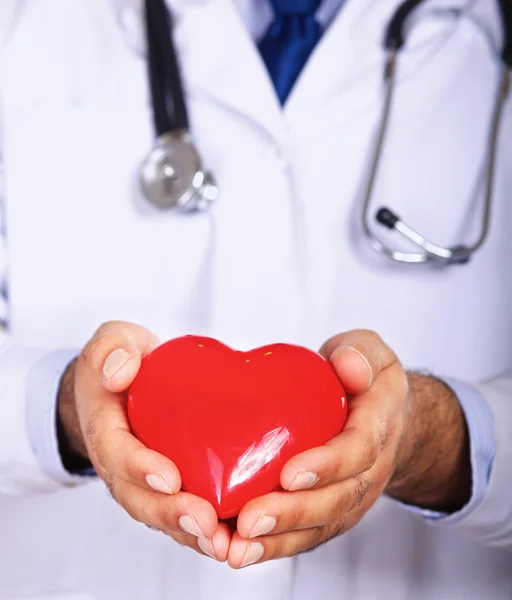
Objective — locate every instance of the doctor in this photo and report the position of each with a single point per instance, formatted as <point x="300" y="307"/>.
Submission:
<point x="286" y="113"/>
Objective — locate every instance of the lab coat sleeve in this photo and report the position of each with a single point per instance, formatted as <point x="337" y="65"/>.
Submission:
<point x="29" y="377"/>
<point x="29" y="381"/>
<point x="42" y="393"/>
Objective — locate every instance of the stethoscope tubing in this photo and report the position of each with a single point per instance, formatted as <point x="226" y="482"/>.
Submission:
<point x="171" y="126"/>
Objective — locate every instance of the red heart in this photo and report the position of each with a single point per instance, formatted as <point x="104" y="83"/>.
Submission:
<point x="230" y="420"/>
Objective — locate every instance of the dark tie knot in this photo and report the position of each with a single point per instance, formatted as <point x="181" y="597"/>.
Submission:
<point x="295" y="8"/>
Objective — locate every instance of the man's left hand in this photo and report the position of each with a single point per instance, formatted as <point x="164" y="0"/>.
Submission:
<point x="405" y="435"/>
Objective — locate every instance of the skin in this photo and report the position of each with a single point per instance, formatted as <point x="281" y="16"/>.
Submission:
<point x="405" y="436"/>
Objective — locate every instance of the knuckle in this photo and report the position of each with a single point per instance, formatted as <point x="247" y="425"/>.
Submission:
<point x="286" y="548"/>
<point x="163" y="515"/>
<point x="336" y="463"/>
<point x="145" y="516"/>
<point x="100" y="452"/>
<point x="90" y="436"/>
<point x="371" y="449"/>
<point x="149" y="513"/>
<point x="109" y="337"/>
<point x="372" y="338"/>
<point x="319" y="536"/>
<point x="297" y="518"/>
<point x="382" y="429"/>
<point x="108" y="327"/>
<point x="335" y="529"/>
<point x="134" y="463"/>
<point x="341" y="502"/>
<point x="403" y="383"/>
<point x="96" y="351"/>
<point x="381" y="477"/>
<point x="361" y="487"/>
<point x="110" y="485"/>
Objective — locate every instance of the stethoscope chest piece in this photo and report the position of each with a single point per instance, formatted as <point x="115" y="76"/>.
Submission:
<point x="172" y="175"/>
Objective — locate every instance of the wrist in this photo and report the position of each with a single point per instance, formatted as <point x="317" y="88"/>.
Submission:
<point x="72" y="447"/>
<point x="433" y="468"/>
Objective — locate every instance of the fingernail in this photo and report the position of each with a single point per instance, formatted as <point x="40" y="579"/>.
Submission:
<point x="115" y="362"/>
<point x="158" y="483"/>
<point x="206" y="545"/>
<point x="362" y="357"/>
<point x="253" y="553"/>
<point x="303" y="481"/>
<point x="189" y="525"/>
<point x="263" y="525"/>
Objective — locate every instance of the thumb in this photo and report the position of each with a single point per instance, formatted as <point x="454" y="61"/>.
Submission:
<point x="358" y="357"/>
<point x="115" y="352"/>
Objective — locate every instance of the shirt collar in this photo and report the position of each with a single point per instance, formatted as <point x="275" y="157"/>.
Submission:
<point x="258" y="14"/>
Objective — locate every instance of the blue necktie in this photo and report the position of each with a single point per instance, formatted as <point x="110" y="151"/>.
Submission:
<point x="289" y="42"/>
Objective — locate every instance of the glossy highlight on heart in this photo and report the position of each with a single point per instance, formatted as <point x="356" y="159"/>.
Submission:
<point x="230" y="420"/>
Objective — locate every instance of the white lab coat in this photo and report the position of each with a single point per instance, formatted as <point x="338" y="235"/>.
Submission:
<point x="281" y="257"/>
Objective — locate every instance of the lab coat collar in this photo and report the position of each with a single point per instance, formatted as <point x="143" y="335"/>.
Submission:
<point x="221" y="63"/>
<point x="354" y="44"/>
<point x="224" y="65"/>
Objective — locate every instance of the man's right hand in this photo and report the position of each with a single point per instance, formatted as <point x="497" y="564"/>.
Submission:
<point x="94" y="425"/>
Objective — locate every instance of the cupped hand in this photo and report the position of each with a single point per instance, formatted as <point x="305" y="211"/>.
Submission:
<point x="327" y="490"/>
<point x="92" y="412"/>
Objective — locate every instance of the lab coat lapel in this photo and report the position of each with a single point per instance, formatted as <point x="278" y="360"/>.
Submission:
<point x="219" y="60"/>
<point x="351" y="46"/>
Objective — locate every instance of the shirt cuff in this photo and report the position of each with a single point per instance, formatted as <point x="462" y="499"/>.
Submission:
<point x="42" y="392"/>
<point x="483" y="447"/>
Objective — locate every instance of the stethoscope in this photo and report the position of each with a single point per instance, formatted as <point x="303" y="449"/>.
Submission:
<point x="173" y="177"/>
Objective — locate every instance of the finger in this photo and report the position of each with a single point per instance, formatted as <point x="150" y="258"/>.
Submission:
<point x="243" y="553"/>
<point x="281" y="511"/>
<point x="358" y="357"/>
<point x="174" y="515"/>
<point x="122" y="455"/>
<point x="370" y="422"/>
<point x="112" y="447"/>
<point x="114" y="353"/>
<point x="218" y="546"/>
